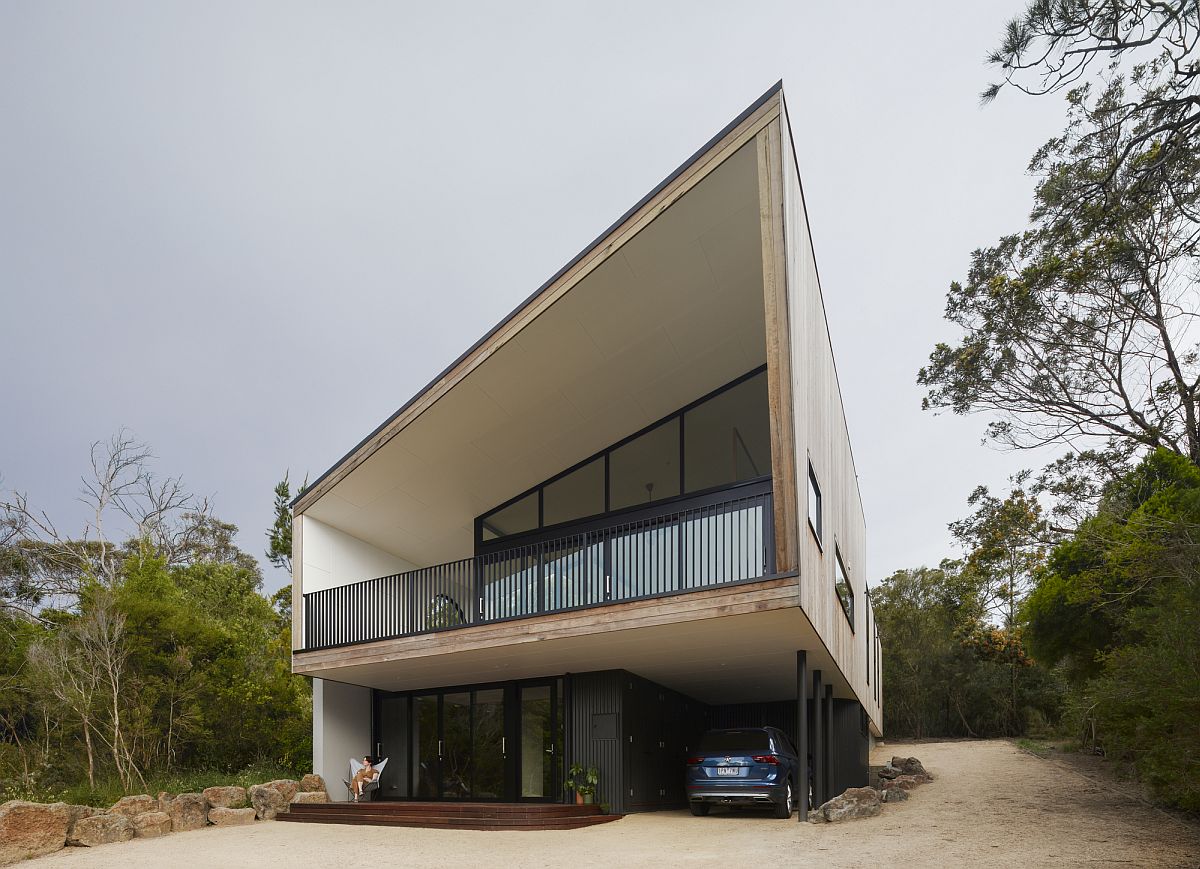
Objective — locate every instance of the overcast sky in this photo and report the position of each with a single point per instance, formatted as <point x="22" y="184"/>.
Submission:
<point x="248" y="232"/>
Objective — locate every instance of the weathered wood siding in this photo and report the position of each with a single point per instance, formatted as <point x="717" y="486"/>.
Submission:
<point x="821" y="438"/>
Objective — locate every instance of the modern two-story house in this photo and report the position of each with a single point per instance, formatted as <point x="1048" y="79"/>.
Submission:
<point x="627" y="514"/>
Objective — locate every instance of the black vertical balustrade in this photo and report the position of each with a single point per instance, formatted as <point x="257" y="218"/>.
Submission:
<point x="687" y="549"/>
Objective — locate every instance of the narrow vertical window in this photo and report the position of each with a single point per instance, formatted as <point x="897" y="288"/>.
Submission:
<point x="841" y="583"/>
<point x="814" y="503"/>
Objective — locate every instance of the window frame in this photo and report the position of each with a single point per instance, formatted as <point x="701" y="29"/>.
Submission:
<point x="482" y="545"/>
<point x="814" y="487"/>
<point x="839" y="567"/>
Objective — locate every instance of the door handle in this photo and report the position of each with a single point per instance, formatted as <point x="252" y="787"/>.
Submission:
<point x="503" y="746"/>
<point x="439" y="748"/>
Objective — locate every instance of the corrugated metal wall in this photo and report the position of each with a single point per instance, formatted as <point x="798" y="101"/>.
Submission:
<point x="780" y="713"/>
<point x="594" y="731"/>
<point x="848" y="747"/>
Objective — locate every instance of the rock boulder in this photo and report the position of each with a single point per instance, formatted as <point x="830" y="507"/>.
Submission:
<point x="853" y="803"/>
<point x="231" y="797"/>
<point x="903" y="782"/>
<point x="268" y="801"/>
<point x="102" y="830"/>
<point x="220" y="816"/>
<point x="150" y="825"/>
<point x="311" y="797"/>
<point x="312" y="783"/>
<point x="893" y="795"/>
<point x="285" y="786"/>
<point x="138" y="805"/>
<point x="188" y="812"/>
<point x="76" y="813"/>
<point x="31" y="829"/>
<point x="910" y="766"/>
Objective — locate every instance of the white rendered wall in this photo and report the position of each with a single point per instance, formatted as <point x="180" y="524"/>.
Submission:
<point x="332" y="557"/>
<point x="341" y="730"/>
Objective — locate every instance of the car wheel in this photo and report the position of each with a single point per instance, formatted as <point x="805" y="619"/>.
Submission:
<point x="699" y="809"/>
<point x="783" y="810"/>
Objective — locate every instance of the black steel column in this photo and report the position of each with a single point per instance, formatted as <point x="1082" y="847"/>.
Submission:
<point x="818" y="746"/>
<point x="802" y="732"/>
<point x="827" y="728"/>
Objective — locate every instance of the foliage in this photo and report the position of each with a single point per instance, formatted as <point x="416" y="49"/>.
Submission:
<point x="947" y="671"/>
<point x="1117" y="608"/>
<point x="1082" y="329"/>
<point x="107" y="791"/>
<point x="1059" y="45"/>
<point x="279" y="535"/>
<point x="131" y="664"/>
<point x="583" y="780"/>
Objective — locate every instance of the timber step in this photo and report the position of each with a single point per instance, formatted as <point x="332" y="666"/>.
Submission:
<point x="457" y="816"/>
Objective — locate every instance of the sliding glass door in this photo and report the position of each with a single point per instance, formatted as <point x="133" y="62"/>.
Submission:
<point x="495" y="742"/>
<point x="541" y="743"/>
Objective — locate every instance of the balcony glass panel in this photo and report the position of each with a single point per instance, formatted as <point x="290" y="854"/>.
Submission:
<point x="646" y="469"/>
<point x="725" y="545"/>
<point x="516" y="517"/>
<point x="645" y="562"/>
<point x="573" y="573"/>
<point x="728" y="438"/>
<point x="578" y="494"/>
<point x="509" y="584"/>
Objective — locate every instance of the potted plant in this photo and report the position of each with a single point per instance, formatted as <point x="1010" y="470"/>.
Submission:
<point x="584" y="782"/>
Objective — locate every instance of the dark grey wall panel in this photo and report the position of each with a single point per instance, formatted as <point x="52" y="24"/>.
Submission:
<point x="848" y="748"/>
<point x="780" y="713"/>
<point x="660" y="725"/>
<point x="594" y="731"/>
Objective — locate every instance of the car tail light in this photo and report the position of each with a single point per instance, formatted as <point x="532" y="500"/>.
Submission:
<point x="695" y="760"/>
<point x="765" y="758"/>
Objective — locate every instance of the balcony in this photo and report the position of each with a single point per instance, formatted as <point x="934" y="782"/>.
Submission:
<point x="722" y="539"/>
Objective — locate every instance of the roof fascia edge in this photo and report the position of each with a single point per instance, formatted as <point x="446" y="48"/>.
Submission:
<point x="383" y="433"/>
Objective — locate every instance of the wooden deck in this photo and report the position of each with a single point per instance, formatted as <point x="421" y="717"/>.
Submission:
<point x="452" y="816"/>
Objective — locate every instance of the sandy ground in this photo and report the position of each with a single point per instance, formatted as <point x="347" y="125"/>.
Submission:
<point x="992" y="805"/>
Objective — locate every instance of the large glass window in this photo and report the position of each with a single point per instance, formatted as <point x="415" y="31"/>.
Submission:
<point x="646" y="469"/>
<point x="728" y="438"/>
<point x="725" y="439"/>
<point x="578" y="494"/>
<point x="516" y="517"/>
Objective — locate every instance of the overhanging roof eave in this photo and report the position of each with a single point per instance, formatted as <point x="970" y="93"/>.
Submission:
<point x="594" y="245"/>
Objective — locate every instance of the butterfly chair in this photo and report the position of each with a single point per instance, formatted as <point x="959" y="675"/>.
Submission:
<point x="369" y="788"/>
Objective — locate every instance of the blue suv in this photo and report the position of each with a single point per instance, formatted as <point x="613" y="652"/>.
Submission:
<point x="748" y="766"/>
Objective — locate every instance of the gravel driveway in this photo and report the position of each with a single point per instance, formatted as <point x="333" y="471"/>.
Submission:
<point x="992" y="805"/>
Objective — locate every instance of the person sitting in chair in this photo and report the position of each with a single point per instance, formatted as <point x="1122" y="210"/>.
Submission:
<point x="363" y="777"/>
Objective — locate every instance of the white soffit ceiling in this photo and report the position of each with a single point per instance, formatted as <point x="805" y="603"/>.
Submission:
<point x="673" y="314"/>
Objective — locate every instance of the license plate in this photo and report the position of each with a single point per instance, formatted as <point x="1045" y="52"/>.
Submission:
<point x="728" y="770"/>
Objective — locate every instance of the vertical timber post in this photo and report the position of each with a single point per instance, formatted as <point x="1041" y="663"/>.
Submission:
<point x="818" y="747"/>
<point x="802" y="732"/>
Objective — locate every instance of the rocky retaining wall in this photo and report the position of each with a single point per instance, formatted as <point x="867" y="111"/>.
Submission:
<point x="33" y="829"/>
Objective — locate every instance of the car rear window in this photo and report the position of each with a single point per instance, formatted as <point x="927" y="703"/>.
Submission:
<point x="730" y="741"/>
